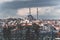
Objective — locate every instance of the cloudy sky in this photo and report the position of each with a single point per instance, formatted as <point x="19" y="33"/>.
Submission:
<point x="47" y="9"/>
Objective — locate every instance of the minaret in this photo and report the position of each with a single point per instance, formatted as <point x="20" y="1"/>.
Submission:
<point x="29" y="11"/>
<point x="37" y="14"/>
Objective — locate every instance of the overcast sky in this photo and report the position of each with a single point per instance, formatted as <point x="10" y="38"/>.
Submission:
<point x="48" y="9"/>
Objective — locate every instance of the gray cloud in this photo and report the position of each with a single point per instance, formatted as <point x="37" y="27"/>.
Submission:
<point x="33" y="3"/>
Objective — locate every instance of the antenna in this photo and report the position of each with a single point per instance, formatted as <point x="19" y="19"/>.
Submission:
<point x="37" y="14"/>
